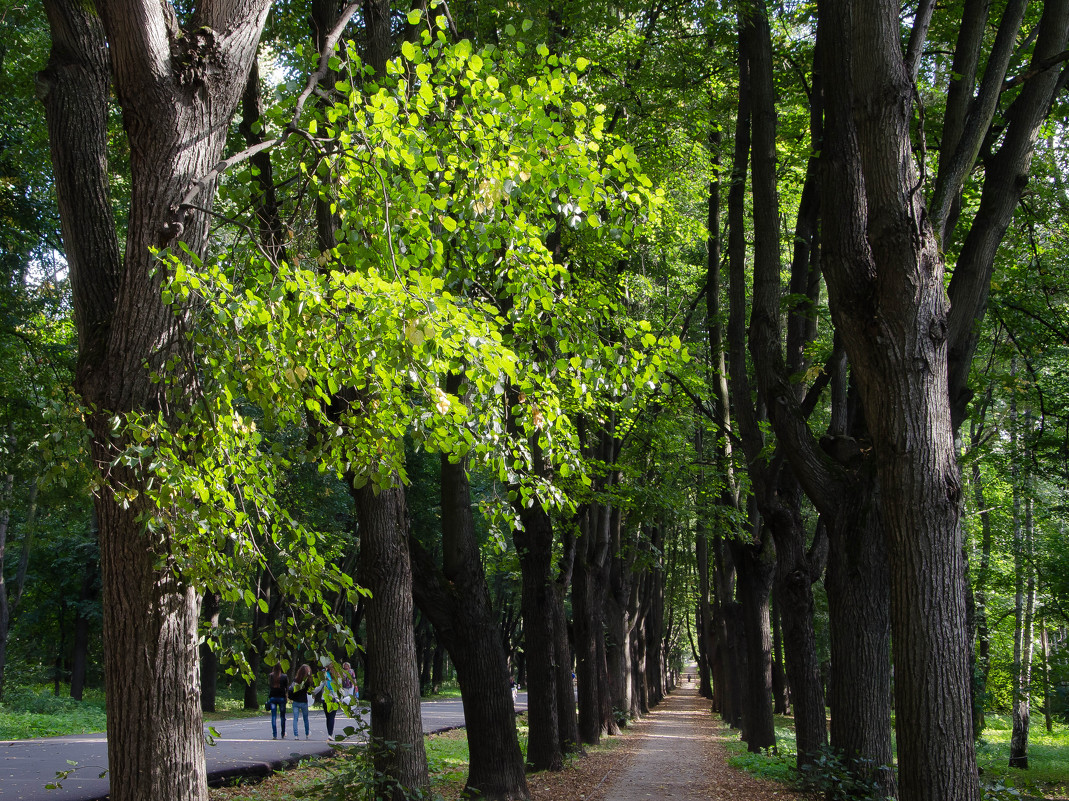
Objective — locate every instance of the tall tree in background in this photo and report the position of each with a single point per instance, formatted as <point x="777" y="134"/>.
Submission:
<point x="177" y="83"/>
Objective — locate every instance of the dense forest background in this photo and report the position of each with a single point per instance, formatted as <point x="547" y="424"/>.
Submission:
<point x="557" y="320"/>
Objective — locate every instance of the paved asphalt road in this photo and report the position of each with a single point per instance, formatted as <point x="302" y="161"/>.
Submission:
<point x="244" y="747"/>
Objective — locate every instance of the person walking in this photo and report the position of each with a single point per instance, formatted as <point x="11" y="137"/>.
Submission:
<point x="329" y="691"/>
<point x="278" y="682"/>
<point x="299" y="690"/>
<point x="348" y="683"/>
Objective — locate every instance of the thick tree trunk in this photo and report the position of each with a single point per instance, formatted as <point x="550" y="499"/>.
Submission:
<point x="754" y="576"/>
<point x="458" y="603"/>
<point x="884" y="274"/>
<point x="391" y="683"/>
<point x="178" y="90"/>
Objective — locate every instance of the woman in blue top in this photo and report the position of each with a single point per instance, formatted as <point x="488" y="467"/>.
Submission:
<point x="331" y="694"/>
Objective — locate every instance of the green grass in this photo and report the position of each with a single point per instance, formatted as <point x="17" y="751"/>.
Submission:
<point x="1047" y="775"/>
<point x="33" y="711"/>
<point x="777" y="765"/>
<point x="1048" y="756"/>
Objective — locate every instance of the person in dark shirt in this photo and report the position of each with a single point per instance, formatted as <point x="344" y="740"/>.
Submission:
<point x="299" y="690"/>
<point x="278" y="682"/>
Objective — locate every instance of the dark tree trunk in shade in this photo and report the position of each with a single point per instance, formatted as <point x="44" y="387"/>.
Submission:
<point x="619" y="620"/>
<point x="754" y="575"/>
<point x="391" y="684"/>
<point x="457" y="601"/>
<point x="654" y="628"/>
<point x="586" y="678"/>
<point x="90" y="591"/>
<point x="779" y="678"/>
<point x="567" y="714"/>
<point x="534" y="543"/>
<point x="259" y="622"/>
<point x="640" y="703"/>
<point x="859" y="622"/>
<point x="884" y="271"/>
<point x="211" y="604"/>
<point x="438" y="668"/>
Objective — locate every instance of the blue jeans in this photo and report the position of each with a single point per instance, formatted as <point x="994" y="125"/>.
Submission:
<point x="299" y="707"/>
<point x="278" y="710"/>
<point x="331" y="714"/>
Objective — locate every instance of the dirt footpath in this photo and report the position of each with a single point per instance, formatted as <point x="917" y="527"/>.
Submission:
<point x="679" y="754"/>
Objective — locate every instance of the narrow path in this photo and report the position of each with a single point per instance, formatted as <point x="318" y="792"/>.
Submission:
<point x="679" y="754"/>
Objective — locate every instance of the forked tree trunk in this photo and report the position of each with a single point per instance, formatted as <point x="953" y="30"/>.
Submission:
<point x="457" y="601"/>
<point x="884" y="272"/>
<point x="177" y="90"/>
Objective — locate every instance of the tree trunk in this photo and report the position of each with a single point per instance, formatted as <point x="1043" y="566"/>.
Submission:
<point x="983" y="636"/>
<point x="884" y="272"/>
<point x="80" y="650"/>
<point x="859" y="622"/>
<point x="755" y="572"/>
<point x="5" y="611"/>
<point x="256" y="640"/>
<point x="779" y="677"/>
<point x="654" y="627"/>
<point x="177" y="91"/>
<point x="1023" y="639"/>
<point x="458" y="603"/>
<point x="567" y="714"/>
<point x="211" y="605"/>
<point x="534" y="543"/>
<point x="619" y="622"/>
<point x="704" y="613"/>
<point x="1048" y="718"/>
<point x="392" y="683"/>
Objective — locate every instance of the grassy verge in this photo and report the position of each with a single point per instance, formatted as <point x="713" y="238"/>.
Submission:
<point x="1047" y="774"/>
<point x="1046" y="777"/>
<point x="447" y="762"/>
<point x="34" y="711"/>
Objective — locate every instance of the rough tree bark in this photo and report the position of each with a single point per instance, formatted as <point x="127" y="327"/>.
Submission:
<point x="392" y="681"/>
<point x="884" y="274"/>
<point x="177" y="88"/>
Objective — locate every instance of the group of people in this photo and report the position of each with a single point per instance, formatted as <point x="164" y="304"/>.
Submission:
<point x="337" y="688"/>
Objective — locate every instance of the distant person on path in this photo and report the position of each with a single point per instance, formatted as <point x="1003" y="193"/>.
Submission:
<point x="348" y="683"/>
<point x="278" y="682"/>
<point x="302" y="685"/>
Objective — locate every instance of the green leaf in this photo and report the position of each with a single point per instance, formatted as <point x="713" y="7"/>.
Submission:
<point x="408" y="50"/>
<point x="414" y="16"/>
